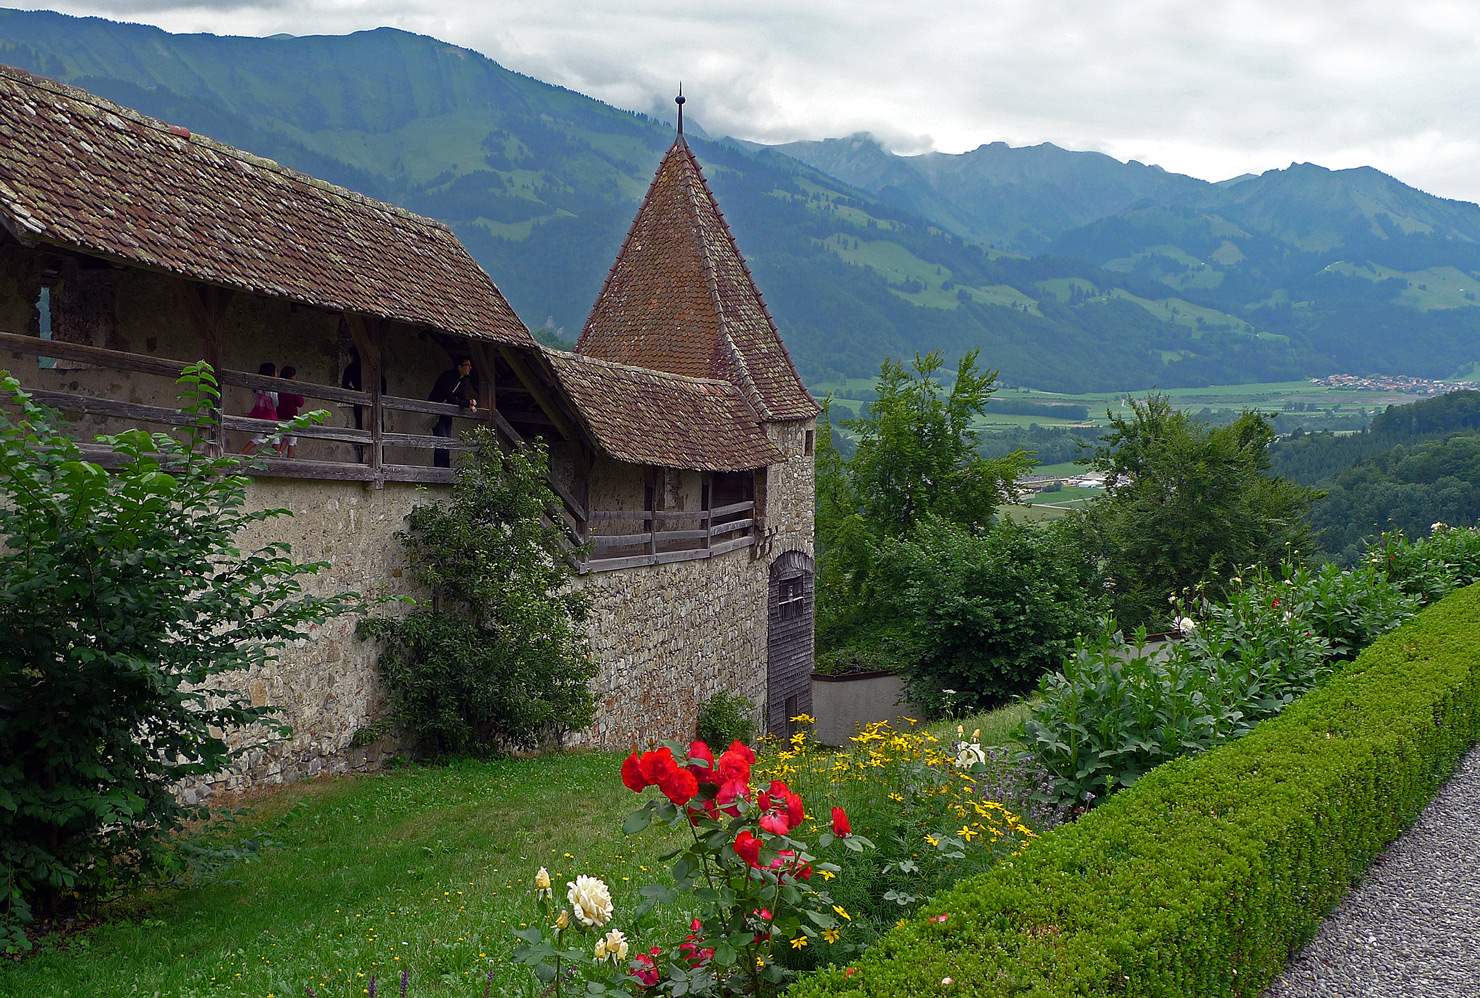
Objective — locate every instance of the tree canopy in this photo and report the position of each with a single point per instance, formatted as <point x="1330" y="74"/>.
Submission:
<point x="916" y="459"/>
<point x="1188" y="504"/>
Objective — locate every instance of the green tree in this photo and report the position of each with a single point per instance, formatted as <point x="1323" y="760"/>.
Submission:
<point x="125" y="606"/>
<point x="499" y="657"/>
<point x="1186" y="505"/>
<point x="979" y="615"/>
<point x="916" y="459"/>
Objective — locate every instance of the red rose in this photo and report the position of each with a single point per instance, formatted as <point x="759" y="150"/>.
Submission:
<point x="748" y="848"/>
<point x="680" y="787"/>
<point x="632" y="774"/>
<point x="745" y="751"/>
<point x="841" y="828"/>
<point x="733" y="765"/>
<point x="775" y="824"/>
<point x="699" y="752"/>
<point x="794" y="811"/>
<point x="657" y="766"/>
<point x="779" y="789"/>
<point x="728" y="792"/>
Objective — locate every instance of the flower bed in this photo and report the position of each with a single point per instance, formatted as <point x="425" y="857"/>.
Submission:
<point x="1204" y="876"/>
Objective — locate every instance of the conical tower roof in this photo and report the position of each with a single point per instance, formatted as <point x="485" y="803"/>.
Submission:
<point x="679" y="298"/>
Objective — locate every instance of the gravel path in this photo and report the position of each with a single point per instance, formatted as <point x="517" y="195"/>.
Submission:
<point x="1411" y="927"/>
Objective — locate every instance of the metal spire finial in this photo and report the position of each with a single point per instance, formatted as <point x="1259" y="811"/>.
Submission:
<point x="680" y="100"/>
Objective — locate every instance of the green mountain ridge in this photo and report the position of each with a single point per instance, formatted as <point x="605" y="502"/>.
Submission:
<point x="1141" y="277"/>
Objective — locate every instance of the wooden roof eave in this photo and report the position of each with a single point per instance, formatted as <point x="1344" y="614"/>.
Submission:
<point x="548" y="394"/>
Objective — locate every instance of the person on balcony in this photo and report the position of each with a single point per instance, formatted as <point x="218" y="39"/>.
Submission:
<point x="453" y="387"/>
<point x="264" y="406"/>
<point x="287" y="408"/>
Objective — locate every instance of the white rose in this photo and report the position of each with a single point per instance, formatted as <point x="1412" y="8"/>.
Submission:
<point x="970" y="755"/>
<point x="590" y="900"/>
<point x="612" y="947"/>
<point x="1186" y="625"/>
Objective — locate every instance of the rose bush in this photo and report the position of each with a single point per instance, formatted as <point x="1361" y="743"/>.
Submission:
<point x="746" y="863"/>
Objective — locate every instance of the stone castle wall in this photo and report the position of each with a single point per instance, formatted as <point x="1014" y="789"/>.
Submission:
<point x="325" y="684"/>
<point x="791" y="489"/>
<point x="666" y="638"/>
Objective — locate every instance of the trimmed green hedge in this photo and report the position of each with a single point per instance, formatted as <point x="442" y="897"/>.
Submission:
<point x="1209" y="872"/>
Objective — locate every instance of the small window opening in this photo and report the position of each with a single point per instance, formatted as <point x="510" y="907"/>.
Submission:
<point x="793" y="709"/>
<point x="793" y="597"/>
<point x="811" y="440"/>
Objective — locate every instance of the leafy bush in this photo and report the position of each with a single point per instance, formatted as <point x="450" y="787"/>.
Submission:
<point x="1204" y="877"/>
<point x="851" y="660"/>
<point x="125" y="605"/>
<point x="500" y="656"/>
<point x="981" y="613"/>
<point x="1115" y="712"/>
<point x="726" y="717"/>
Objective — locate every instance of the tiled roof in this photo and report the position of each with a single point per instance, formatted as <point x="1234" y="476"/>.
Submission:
<point x="680" y="298"/>
<point x="651" y="417"/>
<point x="81" y="172"/>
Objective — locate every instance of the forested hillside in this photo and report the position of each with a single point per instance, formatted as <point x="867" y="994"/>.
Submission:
<point x="1070" y="271"/>
<point x="1416" y="465"/>
<point x="1312" y="457"/>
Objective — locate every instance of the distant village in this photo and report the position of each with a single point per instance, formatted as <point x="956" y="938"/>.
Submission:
<point x="1391" y="383"/>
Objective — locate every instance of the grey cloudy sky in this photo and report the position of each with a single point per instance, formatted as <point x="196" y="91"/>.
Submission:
<point x="1213" y="88"/>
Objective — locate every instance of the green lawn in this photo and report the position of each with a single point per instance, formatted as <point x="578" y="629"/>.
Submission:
<point x="423" y="868"/>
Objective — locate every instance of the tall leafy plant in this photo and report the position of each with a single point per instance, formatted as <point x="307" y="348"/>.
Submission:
<point x="498" y="656"/>
<point x="125" y="608"/>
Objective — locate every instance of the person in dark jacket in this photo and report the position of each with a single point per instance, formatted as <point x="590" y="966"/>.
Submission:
<point x="453" y="387"/>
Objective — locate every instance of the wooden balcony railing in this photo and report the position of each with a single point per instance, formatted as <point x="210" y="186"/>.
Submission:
<point x="664" y="536"/>
<point x="669" y="535"/>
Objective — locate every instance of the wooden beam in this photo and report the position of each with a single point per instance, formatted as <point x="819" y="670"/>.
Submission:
<point x="487" y="388"/>
<point x="368" y="335"/>
<point x="530" y="380"/>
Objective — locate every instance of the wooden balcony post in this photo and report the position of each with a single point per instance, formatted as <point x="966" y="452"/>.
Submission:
<point x="368" y="335"/>
<point x="205" y="304"/>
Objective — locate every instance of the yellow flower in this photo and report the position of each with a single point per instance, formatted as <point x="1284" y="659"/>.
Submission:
<point x="831" y="935"/>
<point x="827" y="874"/>
<point x="967" y="832"/>
<point x="799" y="942"/>
<point x="563" y="920"/>
<point x="542" y="880"/>
<point x="932" y="840"/>
<point x="840" y="911"/>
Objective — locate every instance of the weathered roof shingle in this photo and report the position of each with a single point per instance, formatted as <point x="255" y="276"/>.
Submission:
<point x="652" y="417"/>
<point x="81" y="172"/>
<point x="680" y="298"/>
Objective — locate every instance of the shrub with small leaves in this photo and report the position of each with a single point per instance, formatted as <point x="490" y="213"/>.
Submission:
<point x="125" y="606"/>
<point x="726" y="717"/>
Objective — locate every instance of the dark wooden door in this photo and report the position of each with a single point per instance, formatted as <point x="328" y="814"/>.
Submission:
<point x="789" y="642"/>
